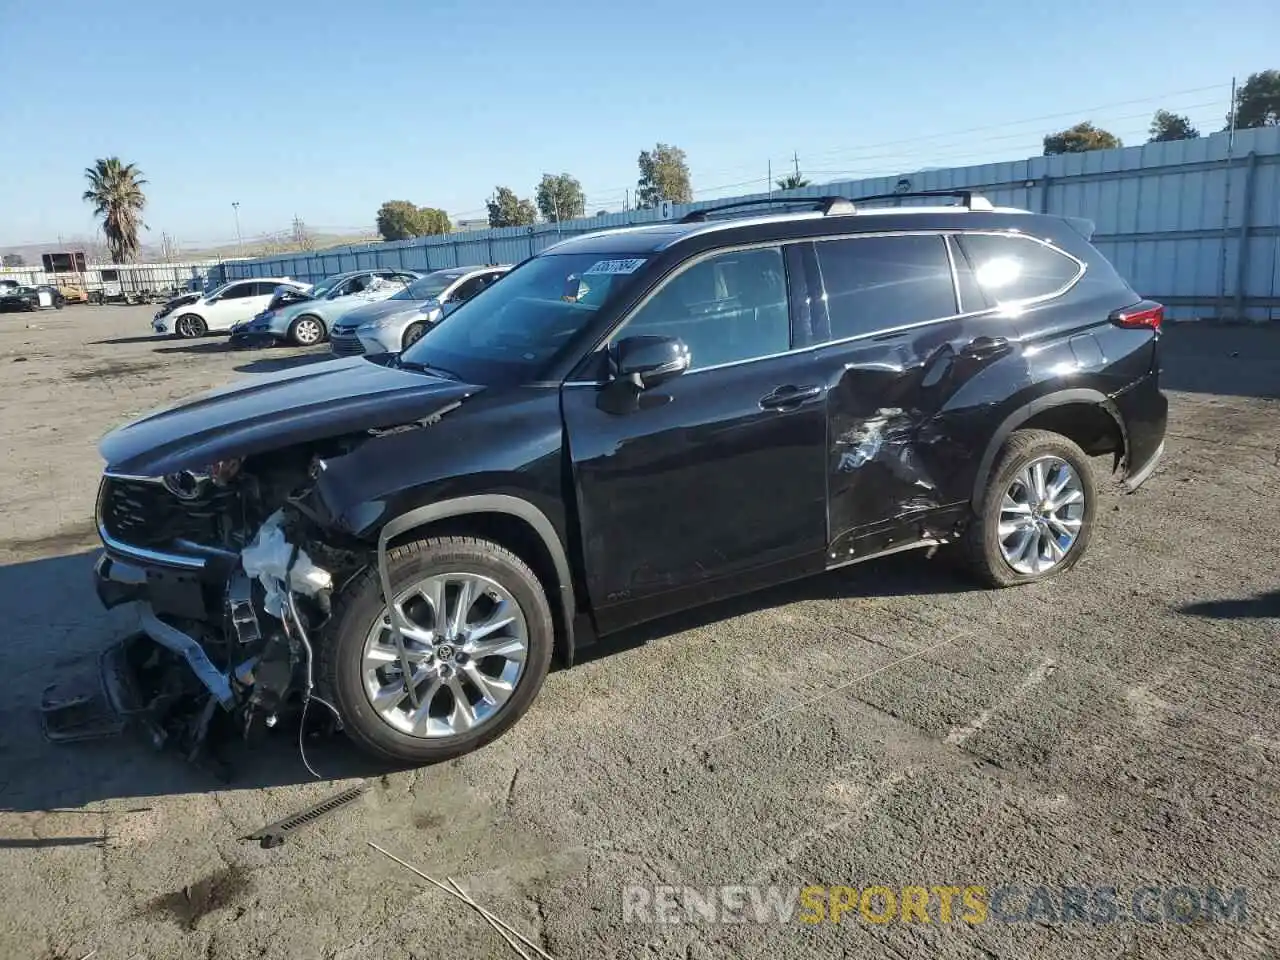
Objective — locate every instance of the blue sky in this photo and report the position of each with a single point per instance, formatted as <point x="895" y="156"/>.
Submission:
<point x="324" y="110"/>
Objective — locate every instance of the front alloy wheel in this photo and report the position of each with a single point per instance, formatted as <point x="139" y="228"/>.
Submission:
<point x="475" y="643"/>
<point x="307" y="331"/>
<point x="465" y="643"/>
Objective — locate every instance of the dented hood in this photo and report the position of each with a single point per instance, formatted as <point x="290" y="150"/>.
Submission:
<point x="269" y="413"/>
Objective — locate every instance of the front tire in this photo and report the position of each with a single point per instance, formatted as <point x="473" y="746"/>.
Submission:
<point x="189" y="326"/>
<point x="1037" y="511"/>
<point x="306" y="331"/>
<point x="412" y="334"/>
<point x="478" y="639"/>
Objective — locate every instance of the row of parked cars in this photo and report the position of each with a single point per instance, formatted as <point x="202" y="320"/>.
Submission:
<point x="360" y="312"/>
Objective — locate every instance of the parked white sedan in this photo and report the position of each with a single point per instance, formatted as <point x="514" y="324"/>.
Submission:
<point x="222" y="309"/>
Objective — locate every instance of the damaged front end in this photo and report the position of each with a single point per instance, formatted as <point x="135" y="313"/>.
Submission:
<point x="232" y="572"/>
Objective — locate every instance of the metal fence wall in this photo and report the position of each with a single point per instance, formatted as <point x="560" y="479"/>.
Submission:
<point x="1194" y="224"/>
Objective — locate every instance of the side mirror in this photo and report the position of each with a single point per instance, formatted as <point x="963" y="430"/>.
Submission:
<point x="648" y="361"/>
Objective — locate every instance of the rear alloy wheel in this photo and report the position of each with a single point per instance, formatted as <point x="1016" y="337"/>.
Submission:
<point x="412" y="334"/>
<point x="475" y="646"/>
<point x="1037" y="511"/>
<point x="306" y="331"/>
<point x="189" y="326"/>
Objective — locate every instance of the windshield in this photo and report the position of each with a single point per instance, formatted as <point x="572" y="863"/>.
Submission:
<point x="428" y="287"/>
<point x="509" y="332"/>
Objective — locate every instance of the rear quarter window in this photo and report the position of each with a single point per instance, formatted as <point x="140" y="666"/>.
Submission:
<point x="1009" y="269"/>
<point x="877" y="283"/>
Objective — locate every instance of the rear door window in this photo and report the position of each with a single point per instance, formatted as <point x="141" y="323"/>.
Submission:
<point x="877" y="283"/>
<point x="1009" y="269"/>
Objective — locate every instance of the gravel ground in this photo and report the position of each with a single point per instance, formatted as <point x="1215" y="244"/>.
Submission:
<point x="886" y="724"/>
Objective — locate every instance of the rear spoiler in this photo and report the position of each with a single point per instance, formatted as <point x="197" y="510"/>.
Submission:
<point x="1082" y="226"/>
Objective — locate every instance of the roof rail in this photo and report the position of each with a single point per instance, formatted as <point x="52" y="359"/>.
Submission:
<point x="967" y="198"/>
<point x="828" y="206"/>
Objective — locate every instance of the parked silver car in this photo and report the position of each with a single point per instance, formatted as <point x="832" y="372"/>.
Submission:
<point x="392" y="325"/>
<point x="308" y="320"/>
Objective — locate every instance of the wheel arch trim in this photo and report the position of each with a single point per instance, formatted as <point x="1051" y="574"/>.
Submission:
<point x="484" y="503"/>
<point x="1035" y="407"/>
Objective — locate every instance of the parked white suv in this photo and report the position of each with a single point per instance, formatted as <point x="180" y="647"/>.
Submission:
<point x="223" y="308"/>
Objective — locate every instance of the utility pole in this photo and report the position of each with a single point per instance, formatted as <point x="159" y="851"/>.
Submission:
<point x="1226" y="206"/>
<point x="235" y="205"/>
<point x="771" y="176"/>
<point x="796" y="158"/>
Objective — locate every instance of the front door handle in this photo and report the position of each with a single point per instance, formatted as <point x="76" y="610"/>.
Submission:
<point x="784" y="398"/>
<point x="983" y="348"/>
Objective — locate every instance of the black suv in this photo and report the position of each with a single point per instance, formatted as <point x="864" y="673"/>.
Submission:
<point x="633" y="422"/>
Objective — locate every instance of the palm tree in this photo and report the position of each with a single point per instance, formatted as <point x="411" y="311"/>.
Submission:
<point x="792" y="181"/>
<point x="115" y="190"/>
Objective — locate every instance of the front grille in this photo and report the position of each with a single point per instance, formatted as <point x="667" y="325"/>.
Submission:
<point x="345" y="345"/>
<point x="144" y="514"/>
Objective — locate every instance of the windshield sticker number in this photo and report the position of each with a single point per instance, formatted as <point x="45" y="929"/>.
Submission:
<point x="614" y="267"/>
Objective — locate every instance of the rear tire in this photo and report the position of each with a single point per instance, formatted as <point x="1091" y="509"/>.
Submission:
<point x="189" y="326"/>
<point x="350" y="675"/>
<point x="306" y="331"/>
<point x="1031" y="529"/>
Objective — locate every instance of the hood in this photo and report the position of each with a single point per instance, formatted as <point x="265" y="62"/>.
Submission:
<point x="269" y="413"/>
<point x="376" y="311"/>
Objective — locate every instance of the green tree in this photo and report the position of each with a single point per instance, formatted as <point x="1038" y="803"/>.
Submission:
<point x="664" y="175"/>
<point x="1081" y="138"/>
<point x="602" y="213"/>
<point x="400" y="220"/>
<point x="115" y="190"/>
<point x="1167" y="126"/>
<point x="560" y="197"/>
<point x="508" y="210"/>
<point x="792" y="181"/>
<point x="1258" y="101"/>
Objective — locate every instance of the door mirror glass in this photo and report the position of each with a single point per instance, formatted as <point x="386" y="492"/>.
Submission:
<point x="647" y="361"/>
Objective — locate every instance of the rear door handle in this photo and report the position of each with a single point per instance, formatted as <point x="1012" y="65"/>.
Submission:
<point x="789" y="396"/>
<point x="981" y="348"/>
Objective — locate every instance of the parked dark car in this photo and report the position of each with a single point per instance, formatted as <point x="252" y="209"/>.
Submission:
<point x="42" y="297"/>
<point x="629" y="424"/>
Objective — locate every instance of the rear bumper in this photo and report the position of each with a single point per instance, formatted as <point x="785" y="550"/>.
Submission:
<point x="1144" y="409"/>
<point x="1138" y="477"/>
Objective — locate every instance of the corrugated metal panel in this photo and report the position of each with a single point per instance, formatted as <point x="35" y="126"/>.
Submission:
<point x="1168" y="215"/>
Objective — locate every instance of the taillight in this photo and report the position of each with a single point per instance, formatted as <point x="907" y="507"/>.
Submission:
<point x="1148" y="314"/>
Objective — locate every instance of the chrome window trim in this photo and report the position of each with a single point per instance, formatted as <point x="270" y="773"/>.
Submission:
<point x="955" y="277"/>
<point x="1010" y="306"/>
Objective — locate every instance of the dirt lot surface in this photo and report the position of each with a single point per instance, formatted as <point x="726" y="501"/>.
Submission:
<point x="886" y="724"/>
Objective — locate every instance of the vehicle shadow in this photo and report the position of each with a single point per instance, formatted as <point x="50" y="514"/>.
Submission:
<point x="1225" y="359"/>
<point x="153" y="338"/>
<point x="1257" y="607"/>
<point x="276" y="364"/>
<point x="199" y="347"/>
<point x="58" y="629"/>
<point x="908" y="574"/>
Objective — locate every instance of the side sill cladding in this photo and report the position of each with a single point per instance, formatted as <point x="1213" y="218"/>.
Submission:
<point x="486" y="503"/>
<point x="1025" y="413"/>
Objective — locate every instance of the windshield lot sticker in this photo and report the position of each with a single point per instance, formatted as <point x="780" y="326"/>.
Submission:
<point x="614" y="266"/>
